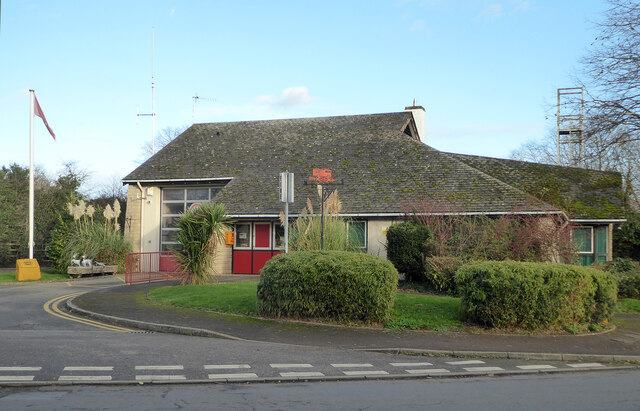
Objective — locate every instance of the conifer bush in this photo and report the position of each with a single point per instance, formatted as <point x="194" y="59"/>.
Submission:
<point x="406" y="244"/>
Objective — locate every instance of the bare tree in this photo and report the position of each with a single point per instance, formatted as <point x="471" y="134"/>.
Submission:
<point x="612" y="75"/>
<point x="599" y="154"/>
<point x="164" y="137"/>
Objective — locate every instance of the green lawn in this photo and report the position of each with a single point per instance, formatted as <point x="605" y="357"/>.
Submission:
<point x="629" y="305"/>
<point x="411" y="311"/>
<point x="47" y="275"/>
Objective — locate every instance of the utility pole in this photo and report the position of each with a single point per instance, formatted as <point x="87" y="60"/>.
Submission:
<point x="153" y="100"/>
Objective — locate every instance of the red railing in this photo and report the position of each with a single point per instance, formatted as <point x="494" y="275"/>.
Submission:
<point x="155" y="266"/>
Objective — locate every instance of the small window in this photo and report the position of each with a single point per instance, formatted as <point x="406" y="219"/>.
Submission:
<point x="243" y="236"/>
<point x="583" y="239"/>
<point x="278" y="237"/>
<point x="358" y="233"/>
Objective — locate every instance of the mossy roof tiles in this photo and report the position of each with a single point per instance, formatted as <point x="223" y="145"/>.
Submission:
<point x="582" y="193"/>
<point x="384" y="170"/>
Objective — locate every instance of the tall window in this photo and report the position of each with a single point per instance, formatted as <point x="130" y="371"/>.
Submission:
<point x="358" y="233"/>
<point x="176" y="201"/>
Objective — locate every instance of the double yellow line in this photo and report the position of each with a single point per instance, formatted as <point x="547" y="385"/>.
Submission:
<point x="52" y="308"/>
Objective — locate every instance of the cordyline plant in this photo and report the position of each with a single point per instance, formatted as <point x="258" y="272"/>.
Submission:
<point x="200" y="232"/>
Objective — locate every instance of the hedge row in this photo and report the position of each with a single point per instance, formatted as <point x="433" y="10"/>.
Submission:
<point x="534" y="296"/>
<point x="336" y="285"/>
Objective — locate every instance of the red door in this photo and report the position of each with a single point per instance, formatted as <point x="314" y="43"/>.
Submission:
<point x="261" y="246"/>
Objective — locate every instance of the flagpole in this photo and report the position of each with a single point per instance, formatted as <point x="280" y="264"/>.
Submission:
<point x="31" y="184"/>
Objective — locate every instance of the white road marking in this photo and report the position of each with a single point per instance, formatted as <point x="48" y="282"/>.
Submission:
<point x="84" y="378"/>
<point x="351" y="365"/>
<point x="159" y="377"/>
<point x="410" y="364"/>
<point x="585" y="365"/>
<point x="472" y="369"/>
<point x="88" y="368"/>
<point x="291" y="365"/>
<point x="372" y="372"/>
<point x="226" y="366"/>
<point x="465" y="362"/>
<point x="536" y="367"/>
<point x="230" y="376"/>
<point x="20" y="368"/>
<point x="159" y="367"/>
<point x="302" y="374"/>
<point x="17" y="377"/>
<point x="428" y="371"/>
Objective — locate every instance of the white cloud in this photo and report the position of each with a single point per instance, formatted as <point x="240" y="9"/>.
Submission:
<point x="291" y="97"/>
<point x="493" y="11"/>
<point x="417" y="26"/>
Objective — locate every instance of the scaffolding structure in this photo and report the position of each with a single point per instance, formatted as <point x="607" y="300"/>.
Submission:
<point x="571" y="124"/>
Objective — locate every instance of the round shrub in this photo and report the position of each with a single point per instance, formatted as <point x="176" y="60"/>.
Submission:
<point x="335" y="285"/>
<point x="405" y="247"/>
<point x="508" y="294"/>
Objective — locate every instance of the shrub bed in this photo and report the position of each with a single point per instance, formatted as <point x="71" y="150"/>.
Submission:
<point x="628" y="273"/>
<point x="440" y="273"/>
<point x="334" y="285"/>
<point x="406" y="244"/>
<point x="534" y="296"/>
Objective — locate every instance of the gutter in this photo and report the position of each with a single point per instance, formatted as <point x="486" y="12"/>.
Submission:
<point x="176" y="180"/>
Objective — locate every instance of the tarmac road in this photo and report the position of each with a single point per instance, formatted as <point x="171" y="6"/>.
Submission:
<point x="43" y="344"/>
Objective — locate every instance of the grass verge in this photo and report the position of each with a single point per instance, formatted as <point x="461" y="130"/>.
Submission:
<point x="410" y="311"/>
<point x="46" y="275"/>
<point x="628" y="305"/>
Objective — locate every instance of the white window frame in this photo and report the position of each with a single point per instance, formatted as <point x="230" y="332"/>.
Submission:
<point x="235" y="244"/>
<point x="184" y="201"/>
<point x="253" y="237"/>
<point x="366" y="228"/>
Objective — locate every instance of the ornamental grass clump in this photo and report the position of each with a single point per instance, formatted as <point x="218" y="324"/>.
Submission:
<point x="86" y="238"/>
<point x="305" y="232"/>
<point x="200" y="232"/>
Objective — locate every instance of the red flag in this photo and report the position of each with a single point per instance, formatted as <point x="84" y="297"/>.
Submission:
<point x="38" y="112"/>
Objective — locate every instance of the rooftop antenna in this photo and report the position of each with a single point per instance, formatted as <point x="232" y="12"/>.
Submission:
<point x="153" y="102"/>
<point x="193" y="105"/>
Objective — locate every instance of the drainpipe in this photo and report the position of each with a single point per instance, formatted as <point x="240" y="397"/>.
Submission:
<point x="141" y="214"/>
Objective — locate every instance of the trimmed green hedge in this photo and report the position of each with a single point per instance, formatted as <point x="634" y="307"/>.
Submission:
<point x="336" y="285"/>
<point x="405" y="247"/>
<point x="508" y="294"/>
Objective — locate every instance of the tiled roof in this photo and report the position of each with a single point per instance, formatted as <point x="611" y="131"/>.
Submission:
<point x="582" y="193"/>
<point x="384" y="169"/>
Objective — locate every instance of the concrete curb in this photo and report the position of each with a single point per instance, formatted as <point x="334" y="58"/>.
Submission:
<point x="199" y="332"/>
<point x="282" y="380"/>
<point x="142" y="325"/>
<point x="609" y="358"/>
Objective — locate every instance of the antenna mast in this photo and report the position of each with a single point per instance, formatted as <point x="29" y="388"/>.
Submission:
<point x="153" y="99"/>
<point x="571" y="124"/>
<point x="193" y="105"/>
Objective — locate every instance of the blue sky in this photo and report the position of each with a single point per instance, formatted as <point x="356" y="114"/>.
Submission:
<point x="485" y="71"/>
